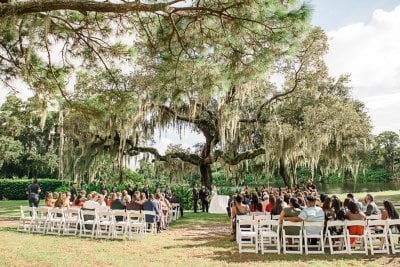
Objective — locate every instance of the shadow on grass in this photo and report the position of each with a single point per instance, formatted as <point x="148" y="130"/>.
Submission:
<point x="216" y="237"/>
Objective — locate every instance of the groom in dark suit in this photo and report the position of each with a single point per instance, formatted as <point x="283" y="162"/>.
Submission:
<point x="204" y="198"/>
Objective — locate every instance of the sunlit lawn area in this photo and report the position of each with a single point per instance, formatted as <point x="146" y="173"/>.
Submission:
<point x="194" y="240"/>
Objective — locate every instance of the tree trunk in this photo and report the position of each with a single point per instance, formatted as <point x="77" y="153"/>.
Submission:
<point x="61" y="145"/>
<point x="283" y="173"/>
<point x="206" y="176"/>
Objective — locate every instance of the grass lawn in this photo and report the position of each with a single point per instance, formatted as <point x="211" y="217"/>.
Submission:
<point x="197" y="239"/>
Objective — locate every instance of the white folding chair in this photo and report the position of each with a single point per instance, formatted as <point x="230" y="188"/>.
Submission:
<point x="296" y="246"/>
<point x="394" y="235"/>
<point x="151" y="226"/>
<point x="360" y="238"/>
<point x="175" y="211"/>
<point x="275" y="217"/>
<point x="41" y="219"/>
<point x="373" y="217"/>
<point x="238" y="218"/>
<point x="261" y="216"/>
<point x="377" y="231"/>
<point x="26" y="219"/>
<point x="336" y="235"/>
<point x="55" y="222"/>
<point x="72" y="221"/>
<point x="248" y="236"/>
<point x="104" y="220"/>
<point x="136" y="225"/>
<point x="268" y="231"/>
<point x="120" y="224"/>
<point x="313" y="231"/>
<point x="88" y="223"/>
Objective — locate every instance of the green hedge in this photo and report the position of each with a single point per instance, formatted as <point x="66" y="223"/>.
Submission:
<point x="15" y="189"/>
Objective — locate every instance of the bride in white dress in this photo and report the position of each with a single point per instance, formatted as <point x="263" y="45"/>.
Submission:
<point x="218" y="203"/>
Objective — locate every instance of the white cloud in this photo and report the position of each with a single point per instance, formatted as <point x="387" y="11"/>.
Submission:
<point x="371" y="54"/>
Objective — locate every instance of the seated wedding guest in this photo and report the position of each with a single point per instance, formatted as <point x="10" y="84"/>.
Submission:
<point x="100" y="200"/>
<point x="117" y="203"/>
<point x="152" y="205"/>
<point x="255" y="204"/>
<point x="354" y="213"/>
<point x="110" y="198"/>
<point x="372" y="208"/>
<point x="271" y="203"/>
<point x="143" y="198"/>
<point x="293" y="210"/>
<point x="61" y="201"/>
<point x="340" y="213"/>
<point x="352" y="198"/>
<point x="264" y="202"/>
<point x="239" y="208"/>
<point x="127" y="199"/>
<point x="68" y="201"/>
<point x="83" y="194"/>
<point x="78" y="201"/>
<point x="328" y="210"/>
<point x="91" y="202"/>
<point x="135" y="203"/>
<point x="312" y="213"/>
<point x="389" y="212"/>
<point x="49" y="201"/>
<point x="279" y="205"/>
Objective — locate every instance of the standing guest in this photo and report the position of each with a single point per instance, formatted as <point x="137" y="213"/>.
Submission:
<point x="204" y="198"/>
<point x="152" y="205"/>
<point x="130" y="190"/>
<point x="195" y="195"/>
<point x="145" y="190"/>
<point x="136" y="188"/>
<point x="168" y="192"/>
<point x="74" y="192"/>
<point x="49" y="201"/>
<point x="372" y="208"/>
<point x="33" y="194"/>
<point x="103" y="185"/>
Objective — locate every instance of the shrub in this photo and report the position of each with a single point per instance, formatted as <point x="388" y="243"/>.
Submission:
<point x="15" y="189"/>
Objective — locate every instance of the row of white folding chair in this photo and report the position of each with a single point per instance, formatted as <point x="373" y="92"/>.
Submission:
<point x="305" y="232"/>
<point x="116" y="224"/>
<point x="48" y="220"/>
<point x="69" y="221"/>
<point x="375" y="235"/>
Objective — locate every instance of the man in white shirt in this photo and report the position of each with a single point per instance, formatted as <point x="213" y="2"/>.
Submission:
<point x="91" y="202"/>
<point x="312" y="213"/>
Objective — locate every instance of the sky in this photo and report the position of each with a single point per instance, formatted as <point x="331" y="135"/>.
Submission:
<point x="364" y="40"/>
